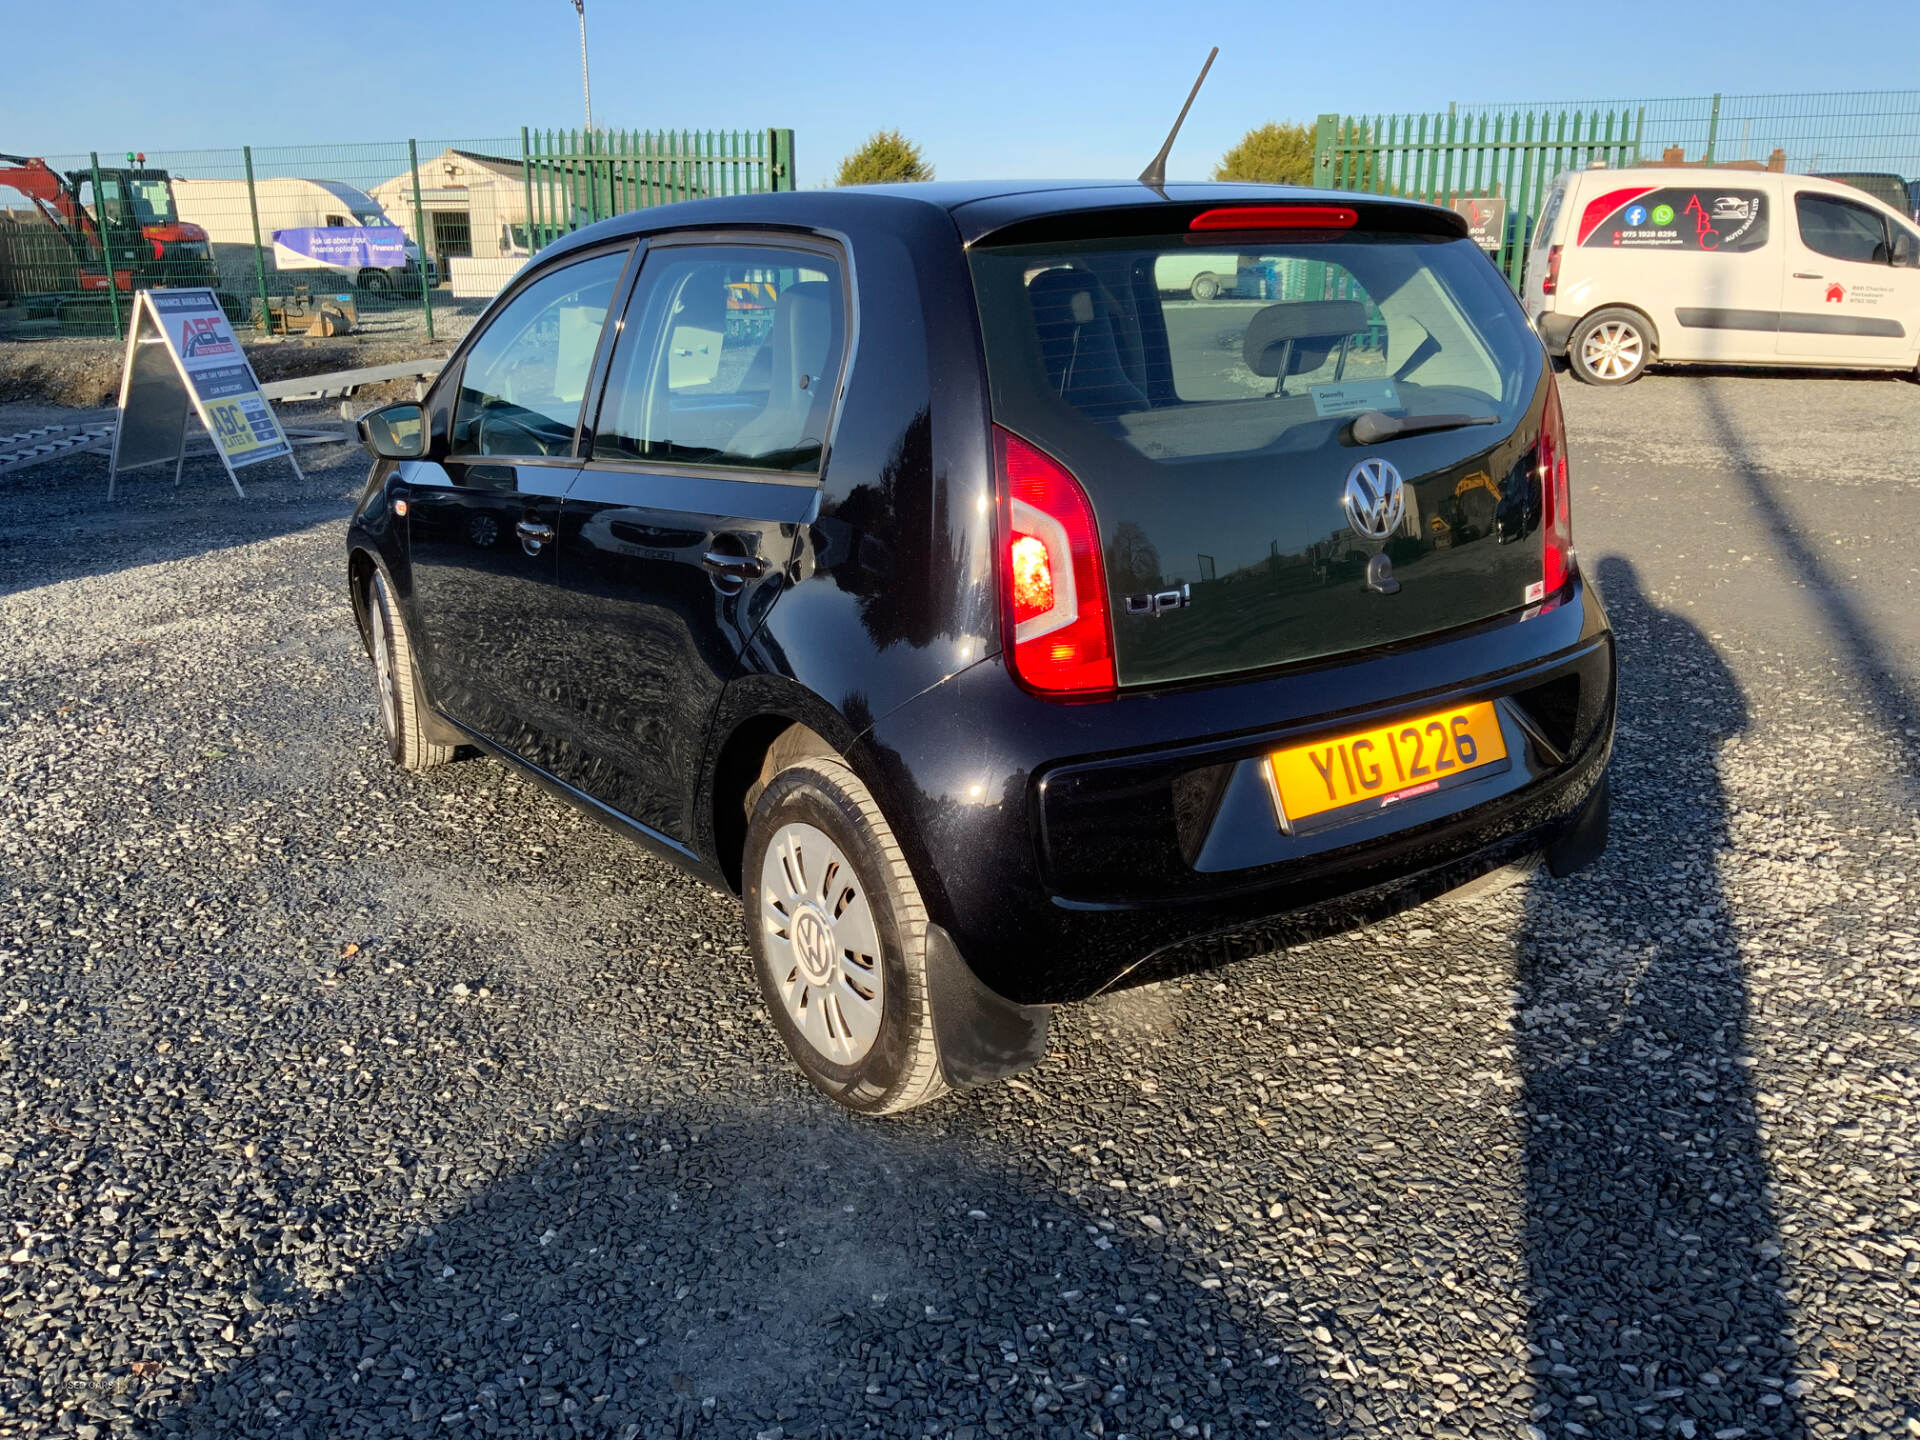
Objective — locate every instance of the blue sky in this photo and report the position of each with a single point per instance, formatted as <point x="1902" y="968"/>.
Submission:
<point x="988" y="87"/>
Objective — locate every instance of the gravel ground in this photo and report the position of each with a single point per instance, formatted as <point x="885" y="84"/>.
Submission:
<point x="339" y="1102"/>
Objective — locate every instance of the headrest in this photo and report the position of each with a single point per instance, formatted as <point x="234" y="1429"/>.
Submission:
<point x="1327" y="320"/>
<point x="703" y="302"/>
<point x="1062" y="297"/>
<point x="803" y="329"/>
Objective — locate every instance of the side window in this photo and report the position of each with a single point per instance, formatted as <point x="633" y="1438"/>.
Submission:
<point x="734" y="360"/>
<point x="525" y="377"/>
<point x="1842" y="230"/>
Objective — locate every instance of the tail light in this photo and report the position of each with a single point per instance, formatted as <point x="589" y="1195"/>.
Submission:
<point x="1551" y="285"/>
<point x="1556" y="500"/>
<point x="1276" y="217"/>
<point x="1053" y="578"/>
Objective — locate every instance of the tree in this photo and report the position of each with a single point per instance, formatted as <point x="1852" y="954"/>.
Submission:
<point x="888" y="156"/>
<point x="1272" y="154"/>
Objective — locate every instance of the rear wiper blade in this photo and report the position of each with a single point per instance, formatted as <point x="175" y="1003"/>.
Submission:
<point x="1372" y="426"/>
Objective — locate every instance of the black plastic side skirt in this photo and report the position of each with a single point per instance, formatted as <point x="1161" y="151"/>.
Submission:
<point x="982" y="1036"/>
<point x="1584" y="842"/>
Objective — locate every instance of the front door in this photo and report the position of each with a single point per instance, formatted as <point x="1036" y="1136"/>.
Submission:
<point x="482" y="519"/>
<point x="1844" y="298"/>
<point x="705" y="462"/>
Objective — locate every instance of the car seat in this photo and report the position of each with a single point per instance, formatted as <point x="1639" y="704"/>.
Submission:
<point x="801" y="346"/>
<point x="1077" y="344"/>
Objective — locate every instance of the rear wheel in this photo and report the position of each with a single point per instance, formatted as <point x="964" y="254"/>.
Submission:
<point x="401" y="704"/>
<point x="838" y="936"/>
<point x="375" y="282"/>
<point x="1610" y="347"/>
<point x="1205" y="287"/>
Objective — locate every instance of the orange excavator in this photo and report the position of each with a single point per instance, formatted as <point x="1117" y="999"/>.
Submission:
<point x="131" y="239"/>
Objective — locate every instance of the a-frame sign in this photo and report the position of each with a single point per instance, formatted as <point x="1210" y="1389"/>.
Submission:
<point x="183" y="360"/>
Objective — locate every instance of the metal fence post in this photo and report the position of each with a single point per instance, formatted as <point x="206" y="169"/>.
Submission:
<point x="259" y="253"/>
<point x="1713" y="129"/>
<point x="1323" y="133"/>
<point x="526" y="180"/>
<point x="106" y="246"/>
<point x="420" y="235"/>
<point x="780" y="157"/>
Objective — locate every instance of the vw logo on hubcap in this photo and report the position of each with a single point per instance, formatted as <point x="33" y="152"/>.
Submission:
<point x="813" y="946"/>
<point x="1376" y="499"/>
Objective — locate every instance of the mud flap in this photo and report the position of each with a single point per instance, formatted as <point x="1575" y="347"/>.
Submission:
<point x="981" y="1035"/>
<point x="1584" y="842"/>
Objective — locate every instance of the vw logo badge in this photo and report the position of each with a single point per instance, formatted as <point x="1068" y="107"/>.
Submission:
<point x="1375" y="500"/>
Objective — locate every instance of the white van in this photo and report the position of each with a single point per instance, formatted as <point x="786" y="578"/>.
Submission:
<point x="1738" y="267"/>
<point x="223" y="210"/>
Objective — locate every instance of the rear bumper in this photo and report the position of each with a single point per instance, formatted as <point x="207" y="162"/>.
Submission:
<point x="1072" y="848"/>
<point x="1555" y="330"/>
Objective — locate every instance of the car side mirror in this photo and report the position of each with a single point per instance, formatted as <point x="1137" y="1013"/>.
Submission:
<point x="395" y="432"/>
<point x="1906" y="250"/>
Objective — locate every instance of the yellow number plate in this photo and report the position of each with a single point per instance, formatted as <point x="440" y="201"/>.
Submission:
<point x="1392" y="762"/>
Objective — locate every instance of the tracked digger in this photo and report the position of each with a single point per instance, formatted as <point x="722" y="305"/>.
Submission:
<point x="111" y="229"/>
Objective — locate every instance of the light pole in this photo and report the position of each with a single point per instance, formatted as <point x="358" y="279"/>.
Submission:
<point x="586" y="86"/>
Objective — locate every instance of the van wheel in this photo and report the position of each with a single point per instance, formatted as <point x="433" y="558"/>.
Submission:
<point x="1610" y="347"/>
<point x="401" y="703"/>
<point x="1204" y="287"/>
<point x="838" y="936"/>
<point x="375" y="282"/>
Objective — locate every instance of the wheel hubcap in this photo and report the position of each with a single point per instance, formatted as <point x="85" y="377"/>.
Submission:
<point x="822" y="944"/>
<point x="383" y="656"/>
<point x="1612" y="350"/>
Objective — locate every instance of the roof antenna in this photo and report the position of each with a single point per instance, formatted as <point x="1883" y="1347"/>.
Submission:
<point x="1156" y="173"/>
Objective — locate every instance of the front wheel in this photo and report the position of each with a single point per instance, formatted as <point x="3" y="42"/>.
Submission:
<point x="838" y="935"/>
<point x="1205" y="287"/>
<point x="1610" y="347"/>
<point x="401" y="703"/>
<point x="375" y="282"/>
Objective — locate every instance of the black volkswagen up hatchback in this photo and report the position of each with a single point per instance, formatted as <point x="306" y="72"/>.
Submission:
<point x="1001" y="621"/>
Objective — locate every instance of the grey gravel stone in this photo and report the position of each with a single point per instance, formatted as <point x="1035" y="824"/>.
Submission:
<point x="335" y="1101"/>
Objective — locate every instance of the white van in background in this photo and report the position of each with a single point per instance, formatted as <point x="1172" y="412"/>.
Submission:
<point x="222" y="208"/>
<point x="1738" y="267"/>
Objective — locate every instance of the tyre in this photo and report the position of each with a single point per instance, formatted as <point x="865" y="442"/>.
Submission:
<point x="1205" y="287"/>
<point x="838" y="936"/>
<point x="375" y="282"/>
<point x="401" y="704"/>
<point x="1610" y="347"/>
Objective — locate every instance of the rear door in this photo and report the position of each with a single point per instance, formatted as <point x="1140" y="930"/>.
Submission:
<point x="705" y="460"/>
<point x="1214" y="439"/>
<point x="1541" y="254"/>
<point x="1844" y="298"/>
<point x="481" y="522"/>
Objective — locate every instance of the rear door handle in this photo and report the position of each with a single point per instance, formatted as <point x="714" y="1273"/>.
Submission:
<point x="1802" y="275"/>
<point x="734" y="567"/>
<point x="533" y="535"/>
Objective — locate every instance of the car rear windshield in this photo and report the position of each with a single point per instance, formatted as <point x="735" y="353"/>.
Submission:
<point x="1183" y="349"/>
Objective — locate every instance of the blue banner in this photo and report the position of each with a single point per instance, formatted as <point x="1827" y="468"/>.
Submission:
<point x="345" y="247"/>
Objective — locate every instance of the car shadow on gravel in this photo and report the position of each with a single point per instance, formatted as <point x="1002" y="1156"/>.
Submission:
<point x="1887" y="681"/>
<point x="1656" y="1291"/>
<point x="777" y="1270"/>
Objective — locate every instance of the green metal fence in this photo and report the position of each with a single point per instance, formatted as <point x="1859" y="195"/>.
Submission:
<point x="472" y="212"/>
<point x="575" y="177"/>
<point x="1511" y="152"/>
<point x="1444" y="157"/>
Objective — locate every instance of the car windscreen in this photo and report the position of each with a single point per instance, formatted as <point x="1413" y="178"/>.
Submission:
<point x="1182" y="349"/>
